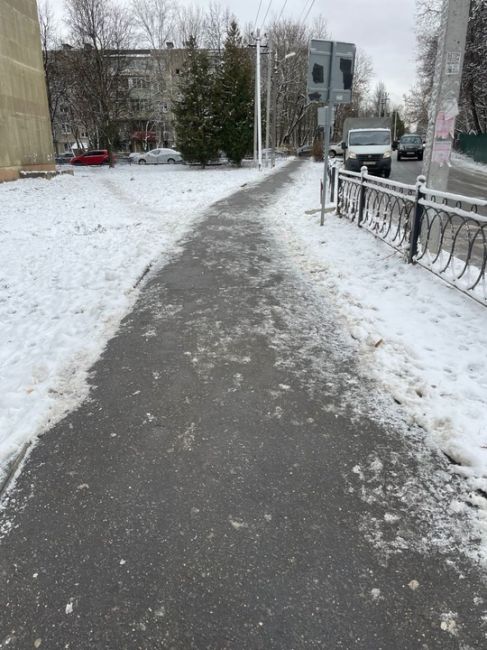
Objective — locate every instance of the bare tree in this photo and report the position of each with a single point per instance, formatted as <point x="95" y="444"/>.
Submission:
<point x="155" y="22"/>
<point x="295" y="116"/>
<point x="190" y="23"/>
<point x="473" y="99"/>
<point x="100" y="32"/>
<point x="216" y="24"/>
<point x="380" y="100"/>
<point x="49" y="40"/>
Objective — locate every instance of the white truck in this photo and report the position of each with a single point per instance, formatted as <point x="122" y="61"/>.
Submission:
<point x="367" y="141"/>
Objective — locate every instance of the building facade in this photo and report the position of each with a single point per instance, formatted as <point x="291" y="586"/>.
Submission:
<point x="25" y="130"/>
<point x="147" y="86"/>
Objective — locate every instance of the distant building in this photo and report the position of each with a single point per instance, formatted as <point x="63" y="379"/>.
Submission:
<point x="143" y="109"/>
<point x="25" y="130"/>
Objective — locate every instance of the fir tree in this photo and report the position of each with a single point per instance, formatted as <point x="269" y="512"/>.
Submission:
<point x="234" y="98"/>
<point x="196" y="126"/>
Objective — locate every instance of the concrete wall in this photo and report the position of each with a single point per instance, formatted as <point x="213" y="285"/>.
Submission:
<point x="25" y="130"/>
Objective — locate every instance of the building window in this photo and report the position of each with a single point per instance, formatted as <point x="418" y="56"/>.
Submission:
<point x="65" y="128"/>
<point x="137" y="82"/>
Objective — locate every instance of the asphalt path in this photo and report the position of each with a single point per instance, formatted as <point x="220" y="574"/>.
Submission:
<point x="233" y="482"/>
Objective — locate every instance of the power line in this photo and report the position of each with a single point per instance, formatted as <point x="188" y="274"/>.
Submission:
<point x="304" y="9"/>
<point x="282" y="10"/>
<point x="258" y="12"/>
<point x="268" y="7"/>
<point x="307" y="14"/>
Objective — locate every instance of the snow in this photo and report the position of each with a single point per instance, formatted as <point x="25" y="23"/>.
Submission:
<point x="73" y="249"/>
<point x="462" y="161"/>
<point x="421" y="339"/>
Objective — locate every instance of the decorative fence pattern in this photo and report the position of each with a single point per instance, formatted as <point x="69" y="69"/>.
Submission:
<point x="445" y="233"/>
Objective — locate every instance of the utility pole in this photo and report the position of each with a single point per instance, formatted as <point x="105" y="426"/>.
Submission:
<point x="255" y="121"/>
<point x="446" y="91"/>
<point x="258" y="102"/>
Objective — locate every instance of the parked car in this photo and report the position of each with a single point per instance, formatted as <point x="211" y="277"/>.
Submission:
<point x="305" y="150"/>
<point x="95" y="157"/>
<point x="409" y="146"/>
<point x="64" y="158"/>
<point x="336" y="150"/>
<point x="157" y="157"/>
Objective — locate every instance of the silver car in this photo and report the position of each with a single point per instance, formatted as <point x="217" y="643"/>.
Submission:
<point x="157" y="157"/>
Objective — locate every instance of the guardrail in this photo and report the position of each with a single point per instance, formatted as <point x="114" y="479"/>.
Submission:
<point x="445" y="233"/>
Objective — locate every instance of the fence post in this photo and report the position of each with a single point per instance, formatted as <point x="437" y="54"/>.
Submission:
<point x="361" y="199"/>
<point x="332" y="184"/>
<point x="417" y="217"/>
<point x="339" y="182"/>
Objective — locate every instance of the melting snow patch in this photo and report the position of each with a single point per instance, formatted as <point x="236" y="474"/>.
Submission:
<point x="449" y="624"/>
<point x="237" y="524"/>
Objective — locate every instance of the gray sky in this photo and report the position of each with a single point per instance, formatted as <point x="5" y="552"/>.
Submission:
<point x="383" y="28"/>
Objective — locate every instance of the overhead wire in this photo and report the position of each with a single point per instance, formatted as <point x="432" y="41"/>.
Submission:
<point x="282" y="10"/>
<point x="258" y="12"/>
<point x="304" y="9"/>
<point x="266" y="13"/>
<point x="307" y="13"/>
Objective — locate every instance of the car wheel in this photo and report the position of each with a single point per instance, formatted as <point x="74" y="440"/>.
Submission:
<point x="420" y="157"/>
<point x="171" y="161"/>
<point x="142" y="162"/>
<point x="332" y="154"/>
<point x="398" y="158"/>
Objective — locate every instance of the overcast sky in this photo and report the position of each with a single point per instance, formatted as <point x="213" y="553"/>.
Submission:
<point x="383" y="28"/>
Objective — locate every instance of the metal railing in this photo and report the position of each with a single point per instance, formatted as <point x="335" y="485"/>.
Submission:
<point x="445" y="233"/>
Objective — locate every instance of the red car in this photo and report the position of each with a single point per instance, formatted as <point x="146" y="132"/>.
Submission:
<point x="95" y="157"/>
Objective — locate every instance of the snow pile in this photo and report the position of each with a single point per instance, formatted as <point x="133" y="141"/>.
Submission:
<point x="424" y="341"/>
<point x="462" y="161"/>
<point x="72" y="250"/>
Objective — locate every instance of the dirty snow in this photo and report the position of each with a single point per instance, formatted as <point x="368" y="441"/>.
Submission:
<point x="462" y="161"/>
<point x="72" y="251"/>
<point x="423" y="341"/>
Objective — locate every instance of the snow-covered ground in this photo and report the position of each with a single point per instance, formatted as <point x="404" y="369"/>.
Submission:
<point x="72" y="250"/>
<point x="424" y="341"/>
<point x="462" y="161"/>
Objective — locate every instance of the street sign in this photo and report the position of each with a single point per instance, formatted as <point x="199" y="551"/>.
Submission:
<point x="330" y="71"/>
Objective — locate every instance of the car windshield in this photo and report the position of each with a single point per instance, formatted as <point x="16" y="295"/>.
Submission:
<point x="412" y="139"/>
<point x="369" y="138"/>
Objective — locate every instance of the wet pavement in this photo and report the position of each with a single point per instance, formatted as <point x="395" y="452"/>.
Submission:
<point x="232" y="482"/>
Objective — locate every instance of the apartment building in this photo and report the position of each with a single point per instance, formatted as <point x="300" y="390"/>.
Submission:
<point x="25" y="130"/>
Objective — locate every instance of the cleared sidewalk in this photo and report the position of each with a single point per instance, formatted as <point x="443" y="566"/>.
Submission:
<point x="207" y="496"/>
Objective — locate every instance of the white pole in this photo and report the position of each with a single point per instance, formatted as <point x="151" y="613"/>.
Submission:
<point x="255" y="121"/>
<point x="259" y="107"/>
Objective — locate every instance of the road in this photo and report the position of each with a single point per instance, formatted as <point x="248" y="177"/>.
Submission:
<point x="233" y="482"/>
<point x="461" y="180"/>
